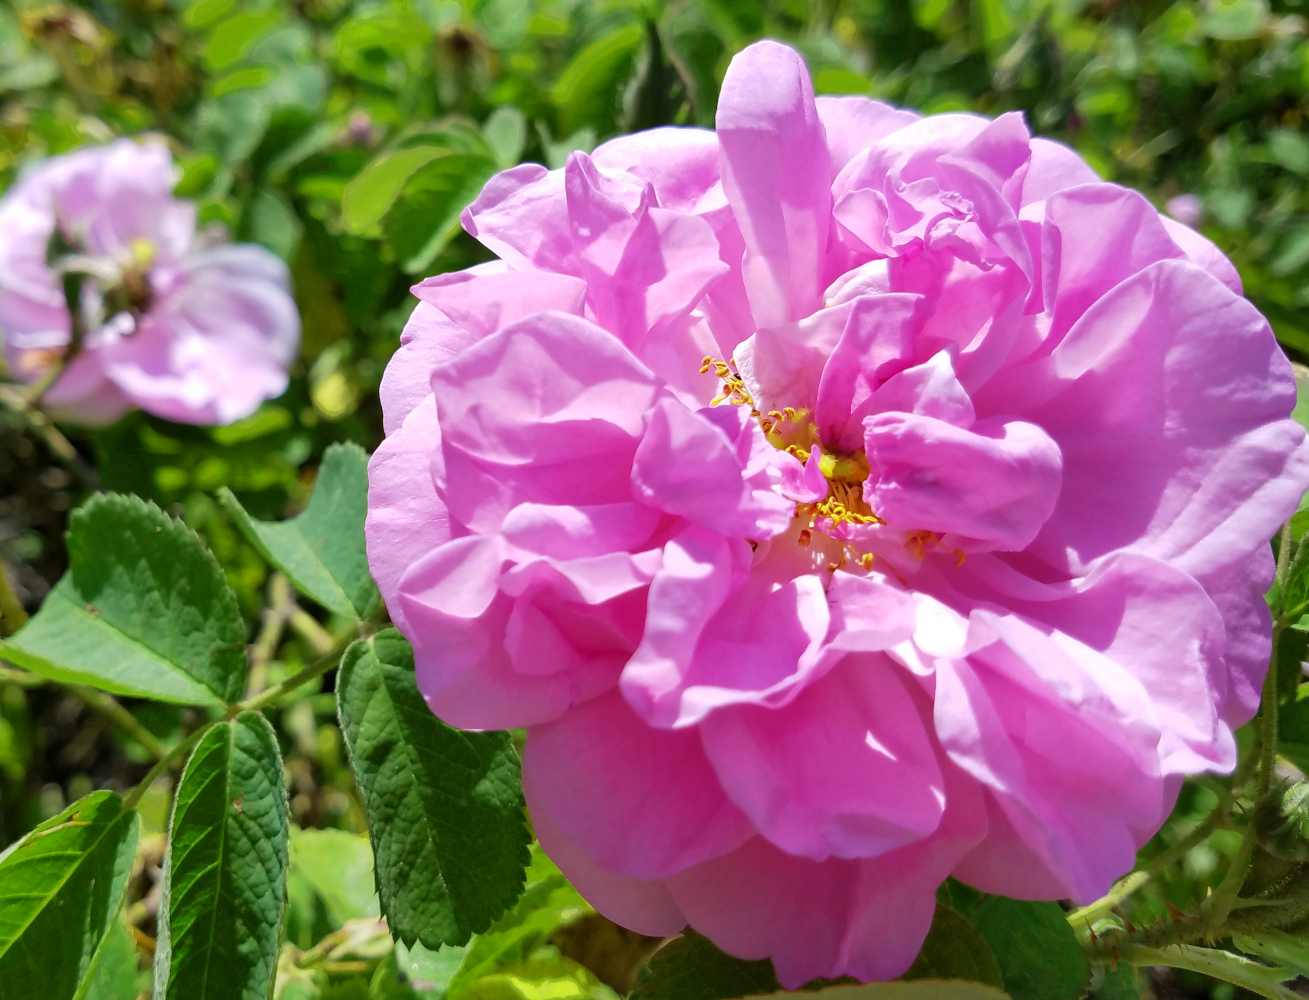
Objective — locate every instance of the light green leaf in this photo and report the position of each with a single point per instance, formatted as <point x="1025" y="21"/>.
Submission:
<point x="339" y="867"/>
<point x="546" y="904"/>
<point x="954" y="950"/>
<point x="371" y="194"/>
<point x="114" y="975"/>
<point x="225" y="873"/>
<point x="445" y="807"/>
<point x="426" y="216"/>
<point x="506" y="132"/>
<point x="542" y="979"/>
<point x="143" y="610"/>
<point x="588" y="84"/>
<point x="61" y="889"/>
<point x="321" y="549"/>
<point x="922" y="989"/>
<point x="1037" y="952"/>
<point x="691" y="967"/>
<point x="1277" y="946"/>
<point x="1290" y="149"/>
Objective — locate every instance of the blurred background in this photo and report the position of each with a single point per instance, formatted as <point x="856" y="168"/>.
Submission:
<point x="285" y="117"/>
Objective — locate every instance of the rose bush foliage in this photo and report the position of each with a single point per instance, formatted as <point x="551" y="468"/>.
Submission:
<point x="174" y="321"/>
<point x="843" y="499"/>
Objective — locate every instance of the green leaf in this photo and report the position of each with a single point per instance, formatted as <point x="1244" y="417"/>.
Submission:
<point x="445" y="807"/>
<point x="339" y="867"/>
<point x="426" y="217"/>
<point x="143" y="610"/>
<point x="321" y="549"/>
<point x="61" y="889"/>
<point x="506" y="133"/>
<point x="114" y="974"/>
<point x="225" y="874"/>
<point x="548" y="903"/>
<point x="1037" y="952"/>
<point x="541" y="979"/>
<point x="588" y="85"/>
<point x="691" y="967"/>
<point x="1278" y="946"/>
<point x="923" y="989"/>
<point x="954" y="950"/>
<point x="368" y="197"/>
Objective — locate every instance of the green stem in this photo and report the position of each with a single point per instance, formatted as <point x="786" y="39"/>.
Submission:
<point x="312" y="672"/>
<point x="1235" y="969"/>
<point x="1219" y="905"/>
<point x="178" y="752"/>
<point x="121" y="717"/>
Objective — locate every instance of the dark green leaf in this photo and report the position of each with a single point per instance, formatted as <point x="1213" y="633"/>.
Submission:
<point x="426" y="217"/>
<point x="225" y="873"/>
<point x="954" y="950"/>
<point x="61" y="888"/>
<point x="321" y="549"/>
<point x="1037" y="952"/>
<point x="144" y="610"/>
<point x="691" y="967"/>
<point x="445" y="807"/>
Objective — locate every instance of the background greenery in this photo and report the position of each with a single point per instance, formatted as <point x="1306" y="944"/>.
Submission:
<point x="346" y="135"/>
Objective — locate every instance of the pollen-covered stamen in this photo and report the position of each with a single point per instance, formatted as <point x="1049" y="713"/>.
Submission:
<point x="794" y="431"/>
<point x="734" y="390"/>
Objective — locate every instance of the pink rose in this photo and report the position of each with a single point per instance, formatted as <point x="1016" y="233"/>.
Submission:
<point x="201" y="334"/>
<point x="961" y="577"/>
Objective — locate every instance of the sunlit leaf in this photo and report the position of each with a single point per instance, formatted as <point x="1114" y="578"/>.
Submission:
<point x="321" y="549"/>
<point x="61" y="889"/>
<point x="143" y="610"/>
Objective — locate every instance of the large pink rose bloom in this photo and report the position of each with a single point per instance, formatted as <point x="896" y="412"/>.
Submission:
<point x="961" y="577"/>
<point x="201" y="334"/>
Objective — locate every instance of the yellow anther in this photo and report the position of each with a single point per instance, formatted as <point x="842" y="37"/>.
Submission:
<point x="143" y="252"/>
<point x="959" y="556"/>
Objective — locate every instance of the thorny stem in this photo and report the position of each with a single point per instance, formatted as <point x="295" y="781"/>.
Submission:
<point x="1224" y="897"/>
<point x="1083" y="918"/>
<point x="178" y="752"/>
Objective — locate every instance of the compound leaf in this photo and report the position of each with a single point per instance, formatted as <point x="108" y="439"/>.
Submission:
<point x="445" y="807"/>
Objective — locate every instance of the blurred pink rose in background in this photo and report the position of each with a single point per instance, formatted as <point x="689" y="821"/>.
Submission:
<point x="843" y="500"/>
<point x="194" y="333"/>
